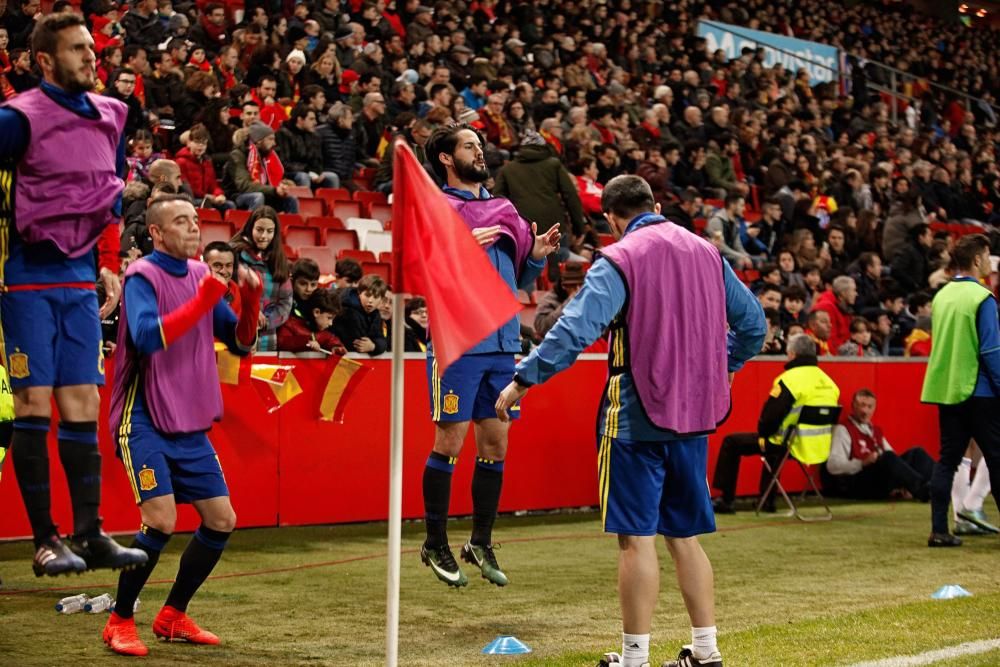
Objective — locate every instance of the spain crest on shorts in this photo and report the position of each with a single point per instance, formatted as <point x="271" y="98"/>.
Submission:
<point x="17" y="364"/>
<point x="450" y="404"/>
<point x="147" y="479"/>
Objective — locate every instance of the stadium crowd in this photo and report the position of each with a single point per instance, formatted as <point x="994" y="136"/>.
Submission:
<point x="839" y="218"/>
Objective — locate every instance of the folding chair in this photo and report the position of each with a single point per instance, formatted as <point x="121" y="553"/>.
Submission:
<point x="813" y="421"/>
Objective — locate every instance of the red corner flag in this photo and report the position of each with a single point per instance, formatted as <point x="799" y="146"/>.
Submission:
<point x="435" y="256"/>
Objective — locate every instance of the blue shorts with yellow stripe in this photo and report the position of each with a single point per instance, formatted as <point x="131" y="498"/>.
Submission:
<point x="158" y="464"/>
<point x="53" y="337"/>
<point x="470" y="387"/>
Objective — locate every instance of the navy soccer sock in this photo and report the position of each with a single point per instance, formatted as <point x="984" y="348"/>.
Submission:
<point x="82" y="462"/>
<point x="29" y="449"/>
<point x="487" y="481"/>
<point x="437" y="495"/>
<point x="198" y="561"/>
<point x="130" y="582"/>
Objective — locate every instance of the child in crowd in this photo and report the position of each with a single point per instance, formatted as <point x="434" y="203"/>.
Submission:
<point x="860" y="343"/>
<point x="141" y="155"/>
<point x="199" y="173"/>
<point x="260" y="248"/>
<point x="359" y="325"/>
<point x="416" y="325"/>
<point x="311" y="332"/>
<point x="305" y="281"/>
<point x="793" y="303"/>
<point x="348" y="273"/>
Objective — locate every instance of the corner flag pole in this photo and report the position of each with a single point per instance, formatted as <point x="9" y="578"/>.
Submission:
<point x="395" y="485"/>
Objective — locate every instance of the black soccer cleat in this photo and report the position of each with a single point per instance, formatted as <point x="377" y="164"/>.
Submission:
<point x="101" y="552"/>
<point x="442" y="563"/>
<point x="943" y="540"/>
<point x="53" y="558"/>
<point x="686" y="659"/>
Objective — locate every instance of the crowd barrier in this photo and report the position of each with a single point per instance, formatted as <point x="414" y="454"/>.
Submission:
<point x="288" y="468"/>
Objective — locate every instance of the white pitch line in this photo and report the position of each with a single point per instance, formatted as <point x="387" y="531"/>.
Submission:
<point x="930" y="657"/>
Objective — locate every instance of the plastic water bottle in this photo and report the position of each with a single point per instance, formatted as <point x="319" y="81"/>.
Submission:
<point x="99" y="604"/>
<point x="72" y="604"/>
<point x="135" y="607"/>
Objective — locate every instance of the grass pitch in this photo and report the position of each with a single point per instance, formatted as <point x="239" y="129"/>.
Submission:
<point x="787" y="594"/>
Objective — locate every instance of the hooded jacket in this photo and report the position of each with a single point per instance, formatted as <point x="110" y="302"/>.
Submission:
<point x="541" y="189"/>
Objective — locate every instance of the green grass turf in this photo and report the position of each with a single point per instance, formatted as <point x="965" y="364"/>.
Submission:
<point x="787" y="593"/>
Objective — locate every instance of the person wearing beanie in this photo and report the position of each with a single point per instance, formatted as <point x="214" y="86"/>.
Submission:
<point x="257" y="173"/>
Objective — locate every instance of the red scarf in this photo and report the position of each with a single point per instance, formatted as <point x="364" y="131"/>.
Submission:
<point x="606" y="136"/>
<point x="215" y="33"/>
<point x="264" y="170"/>
<point x="228" y="78"/>
<point x="654" y="130"/>
<point x="204" y="65"/>
<point x="863" y="445"/>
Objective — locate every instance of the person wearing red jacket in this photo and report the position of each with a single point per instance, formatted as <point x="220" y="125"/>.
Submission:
<point x="311" y="332"/>
<point x="199" y="173"/>
<point x="838" y="303"/>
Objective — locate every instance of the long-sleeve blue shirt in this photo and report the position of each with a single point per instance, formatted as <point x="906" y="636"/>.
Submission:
<point x="595" y="306"/>
<point x="42" y="263"/>
<point x="988" y="330"/>
<point x="144" y="320"/>
<point x="506" y="339"/>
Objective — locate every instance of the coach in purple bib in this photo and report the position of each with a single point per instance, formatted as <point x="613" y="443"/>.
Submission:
<point x="680" y="325"/>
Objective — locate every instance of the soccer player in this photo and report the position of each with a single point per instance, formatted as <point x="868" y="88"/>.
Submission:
<point x="165" y="398"/>
<point x="470" y="386"/>
<point x="61" y="197"/>
<point x="668" y="298"/>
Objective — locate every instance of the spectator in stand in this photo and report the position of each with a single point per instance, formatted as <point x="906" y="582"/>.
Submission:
<point x="551" y="305"/>
<point x="687" y="207"/>
<point x="198" y="172"/>
<point x="416" y="136"/>
<point x="781" y="171"/>
<point x="474" y="93"/>
<point x="774" y="342"/>
<point x="221" y="260"/>
<point x="21" y="76"/>
<point x="910" y="266"/>
<point x="918" y="341"/>
<point x="724" y="228"/>
<point x="301" y="150"/>
<point x="655" y="170"/>
<point x="340" y="151"/>
<point x="496" y="128"/>
<point x="210" y="32"/>
<point x="121" y="86"/>
<point x="260" y="248"/>
<point x="860" y="343"/>
<point x="257" y="173"/>
<point x="142" y="25"/>
<point x="818" y="329"/>
<point x="585" y="171"/>
<point x="793" y="302"/>
<point x="417" y="322"/>
<point x="359" y="325"/>
<point x="370" y="126"/>
<point x="141" y="155"/>
<point x="769" y="297"/>
<point x="272" y="113"/>
<point x="868" y="281"/>
<point x="838" y="303"/>
<point x="348" y="273"/>
<point x="790" y="274"/>
<point x="719" y="165"/>
<point x="608" y="163"/>
<point x="836" y="247"/>
<point x="543" y="192"/>
<point x="164" y="88"/>
<point x="310" y="331"/>
<point x="802" y="383"/>
<point x="864" y="466"/>
<point x="305" y="281"/>
<point x="905" y="214"/>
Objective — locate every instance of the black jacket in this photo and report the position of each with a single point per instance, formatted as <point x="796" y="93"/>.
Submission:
<point x="339" y="150"/>
<point x="354" y="323"/>
<point x="299" y="150"/>
<point x="909" y="267"/>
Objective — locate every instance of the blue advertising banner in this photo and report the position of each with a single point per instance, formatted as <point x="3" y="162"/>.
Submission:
<point x="821" y="61"/>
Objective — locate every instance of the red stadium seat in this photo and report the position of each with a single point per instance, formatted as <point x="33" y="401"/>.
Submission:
<point x="208" y="215"/>
<point x="289" y="219"/>
<point x="311" y="207"/>
<point x="324" y="223"/>
<point x="237" y="218"/>
<point x="341" y="239"/>
<point x="371" y="197"/>
<point x="331" y="195"/>
<point x="215" y="231"/>
<point x="346" y="209"/>
<point x="381" y="212"/>
<point x="322" y="255"/>
<point x="384" y="271"/>
<point x="385" y="257"/>
<point x="360" y="256"/>
<point x="300" y="191"/>
<point x="297" y="236"/>
<point x="606" y="239"/>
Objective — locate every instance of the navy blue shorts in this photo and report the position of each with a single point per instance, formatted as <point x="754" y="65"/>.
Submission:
<point x="470" y="387"/>
<point x="53" y="337"/>
<point x="158" y="465"/>
<point x="650" y="488"/>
